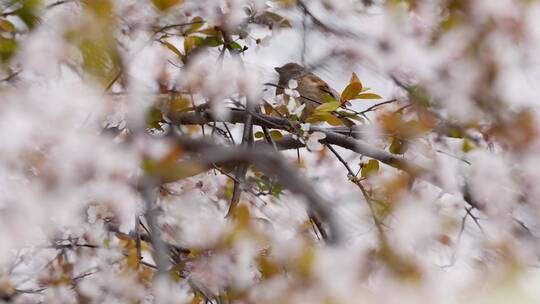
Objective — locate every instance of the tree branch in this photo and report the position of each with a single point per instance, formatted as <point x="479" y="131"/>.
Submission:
<point x="150" y="195"/>
<point x="272" y="164"/>
<point x="334" y="136"/>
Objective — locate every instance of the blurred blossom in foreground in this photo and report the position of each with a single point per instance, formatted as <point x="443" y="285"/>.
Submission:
<point x="125" y="138"/>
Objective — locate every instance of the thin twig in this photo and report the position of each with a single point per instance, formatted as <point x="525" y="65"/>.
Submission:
<point x="375" y="106"/>
<point x="474" y="218"/>
<point x="136" y="230"/>
<point x="170" y="26"/>
<point x="323" y="26"/>
<point x="271" y="164"/>
<point x="355" y="180"/>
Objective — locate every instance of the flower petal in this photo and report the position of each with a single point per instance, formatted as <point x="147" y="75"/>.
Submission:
<point x="293" y="84"/>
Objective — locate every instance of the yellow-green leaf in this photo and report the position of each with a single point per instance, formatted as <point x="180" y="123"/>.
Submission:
<point x="183" y="170"/>
<point x="7" y="48"/>
<point x="328" y="106"/>
<point x="350" y="115"/>
<point x="455" y="133"/>
<point x="211" y="31"/>
<point x="172" y="48"/>
<point x="192" y="42"/>
<point x="170" y="170"/>
<point x="371" y="167"/>
<point x="259" y="134"/>
<point x="179" y="104"/>
<point x="367" y="96"/>
<point x="213" y="41"/>
<point x="166" y="4"/>
<point x="306" y="261"/>
<point x="353" y="89"/>
<point x="275" y="134"/>
<point x="398" y="146"/>
<point x="324" y="116"/>
<point x="467" y="146"/>
<point x="198" y="22"/>
<point x="328" y="98"/>
<point x="29" y="11"/>
<point x="154" y="118"/>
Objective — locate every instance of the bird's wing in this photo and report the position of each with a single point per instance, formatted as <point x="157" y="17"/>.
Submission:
<point x="331" y="92"/>
<point x="314" y="87"/>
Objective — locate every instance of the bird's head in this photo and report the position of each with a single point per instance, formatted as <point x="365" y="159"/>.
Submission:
<point x="290" y="71"/>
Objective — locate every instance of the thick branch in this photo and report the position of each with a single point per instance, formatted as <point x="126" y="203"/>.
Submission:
<point x="335" y="136"/>
<point x="259" y="119"/>
<point x="241" y="170"/>
<point x="272" y="164"/>
<point x="150" y="194"/>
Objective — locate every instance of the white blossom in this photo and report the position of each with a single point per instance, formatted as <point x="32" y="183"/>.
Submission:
<point x="313" y="141"/>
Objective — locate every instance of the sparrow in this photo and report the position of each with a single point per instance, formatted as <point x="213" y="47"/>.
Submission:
<point x="312" y="89"/>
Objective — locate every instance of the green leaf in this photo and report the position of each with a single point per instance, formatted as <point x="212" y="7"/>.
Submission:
<point x="277" y="190"/>
<point x="29" y="12"/>
<point x="179" y="104"/>
<point x="235" y="46"/>
<point x="353" y="89"/>
<point x="276" y="135"/>
<point x="372" y="166"/>
<point x="455" y="133"/>
<point x="328" y="98"/>
<point x="211" y="31"/>
<point x="198" y="22"/>
<point x="367" y="96"/>
<point x="397" y="146"/>
<point x="100" y="56"/>
<point x="192" y="42"/>
<point x="328" y="106"/>
<point x="467" y="146"/>
<point x="259" y="134"/>
<point x="154" y="117"/>
<point x="7" y="48"/>
<point x="213" y="41"/>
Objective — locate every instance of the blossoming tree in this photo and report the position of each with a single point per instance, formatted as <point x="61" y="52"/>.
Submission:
<point x="146" y="157"/>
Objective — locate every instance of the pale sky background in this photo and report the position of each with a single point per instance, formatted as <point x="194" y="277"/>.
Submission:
<point x="286" y="46"/>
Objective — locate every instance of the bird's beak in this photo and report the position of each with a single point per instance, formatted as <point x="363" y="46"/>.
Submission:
<point x="278" y="70"/>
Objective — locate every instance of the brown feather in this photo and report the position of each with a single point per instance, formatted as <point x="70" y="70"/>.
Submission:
<point x="313" y="90"/>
